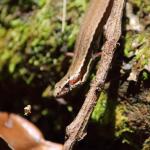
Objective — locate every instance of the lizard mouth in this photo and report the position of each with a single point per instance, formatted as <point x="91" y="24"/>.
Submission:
<point x="58" y="92"/>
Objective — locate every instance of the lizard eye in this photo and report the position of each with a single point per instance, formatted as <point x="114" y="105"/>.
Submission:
<point x="67" y="87"/>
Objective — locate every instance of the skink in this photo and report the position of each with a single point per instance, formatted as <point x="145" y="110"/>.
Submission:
<point x="79" y="68"/>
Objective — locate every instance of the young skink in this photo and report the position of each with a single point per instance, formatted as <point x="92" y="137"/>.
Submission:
<point x="79" y="68"/>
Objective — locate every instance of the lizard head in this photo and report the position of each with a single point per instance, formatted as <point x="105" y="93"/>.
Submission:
<point x="61" y="89"/>
<point x="65" y="85"/>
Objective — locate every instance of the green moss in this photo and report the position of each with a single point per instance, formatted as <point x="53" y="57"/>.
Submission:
<point x="137" y="48"/>
<point x="146" y="145"/>
<point x="143" y="5"/>
<point x="122" y="130"/>
<point x="121" y="121"/>
<point x="31" y="37"/>
<point x="103" y="113"/>
<point x="145" y="75"/>
<point x="128" y="46"/>
<point x="100" y="108"/>
<point x="108" y="113"/>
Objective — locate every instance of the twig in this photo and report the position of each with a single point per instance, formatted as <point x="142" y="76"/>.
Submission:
<point x="64" y="15"/>
<point x="76" y="131"/>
